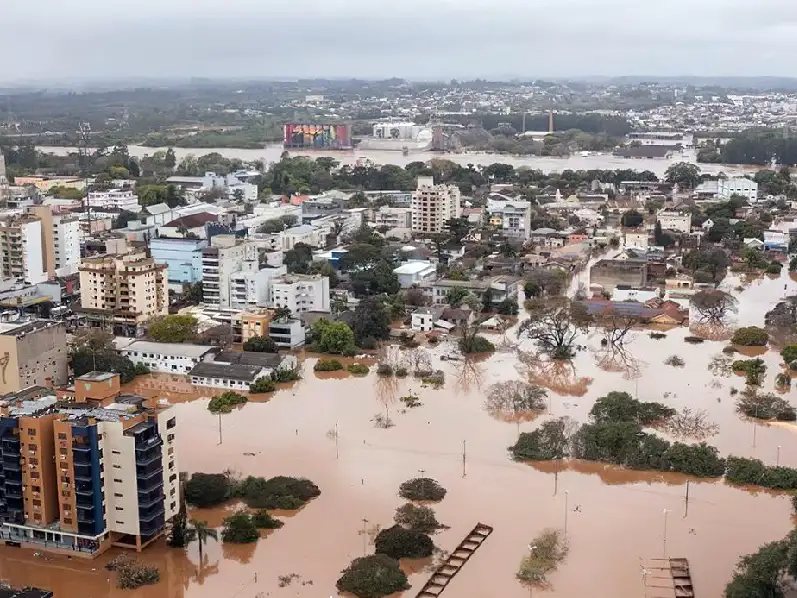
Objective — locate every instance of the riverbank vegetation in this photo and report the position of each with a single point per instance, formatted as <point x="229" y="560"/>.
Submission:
<point x="615" y="436"/>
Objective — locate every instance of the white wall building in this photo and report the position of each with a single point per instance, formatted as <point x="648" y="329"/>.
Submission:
<point x="635" y="240"/>
<point x="287" y="334"/>
<point x="433" y="206"/>
<point x="300" y="293"/>
<point x="515" y="217"/>
<point x="66" y="244"/>
<point x="22" y="242"/>
<point x="393" y="217"/>
<point x="305" y="233"/>
<point x="167" y="358"/>
<point x="119" y="199"/>
<point x="737" y="186"/>
<point x="675" y="221"/>
<point x="415" y="272"/>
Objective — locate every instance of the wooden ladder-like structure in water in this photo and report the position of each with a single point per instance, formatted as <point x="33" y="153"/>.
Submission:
<point x="668" y="578"/>
<point x="455" y="561"/>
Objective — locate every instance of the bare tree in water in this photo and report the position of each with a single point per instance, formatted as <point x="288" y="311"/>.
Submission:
<point x="555" y="325"/>
<point x="714" y="307"/>
<point x="515" y="401"/>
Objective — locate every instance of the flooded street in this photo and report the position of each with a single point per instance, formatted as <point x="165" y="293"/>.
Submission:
<point x="614" y="517"/>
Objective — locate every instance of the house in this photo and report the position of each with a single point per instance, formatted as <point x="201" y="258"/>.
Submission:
<point x="776" y="240"/>
<point x="675" y="221"/>
<point x="671" y="315"/>
<point x="415" y="272"/>
<point x="423" y="319"/>
<point x="548" y="238"/>
<point x="577" y="237"/>
<point x="623" y="293"/>
<point x="611" y="273"/>
<point x="458" y="316"/>
<point x="753" y="243"/>
<point x="234" y="370"/>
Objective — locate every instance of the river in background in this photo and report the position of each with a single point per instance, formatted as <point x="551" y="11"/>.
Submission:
<point x="272" y="153"/>
<point x="615" y="517"/>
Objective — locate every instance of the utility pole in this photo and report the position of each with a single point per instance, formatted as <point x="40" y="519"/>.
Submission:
<point x="464" y="458"/>
<point x="686" y="503"/>
<point x="664" y="543"/>
<point x="337" y="449"/>
<point x="220" y="438"/>
<point x="567" y="495"/>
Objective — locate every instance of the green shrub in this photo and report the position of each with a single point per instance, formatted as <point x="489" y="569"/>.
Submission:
<point x="384" y="369"/>
<point x="547" y="442"/>
<point x="328" y="365"/>
<point x="622" y="407"/>
<point x="358" y="369"/>
<point x="399" y="543"/>
<point x="752" y="472"/>
<point x="657" y="336"/>
<point x="263" y="384"/>
<point x="207" y="489"/>
<point x="286" y="374"/>
<point x="402" y="372"/>
<point x="750" y="336"/>
<point x="774" y="268"/>
<point x="422" y="489"/>
<point x="130" y="574"/>
<point x="417" y="518"/>
<point x="754" y="369"/>
<point x="694" y="340"/>
<point x="239" y="529"/>
<point x="225" y="402"/>
<point x="766" y="407"/>
<point x="262" y="520"/>
<point x="277" y="493"/>
<point x="372" y="576"/>
<point x="476" y="344"/>
<point x="789" y="355"/>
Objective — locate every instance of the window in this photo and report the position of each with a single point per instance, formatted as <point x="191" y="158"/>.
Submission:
<point x="61" y="436"/>
<point x="117" y="467"/>
<point x="37" y="503"/>
<point x="120" y="522"/>
<point x="65" y="493"/>
<point x="117" y="495"/>
<point x="35" y="475"/>
<point x="36" y="488"/>
<point x="67" y="521"/>
<point x="117" y="480"/>
<point x="31" y="431"/>
<point x="120" y="508"/>
<point x="116" y="452"/>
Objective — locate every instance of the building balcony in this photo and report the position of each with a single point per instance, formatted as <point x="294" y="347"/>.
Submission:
<point x="13" y="492"/>
<point x="144" y="460"/>
<point x="150" y="528"/>
<point x="152" y="513"/>
<point x="11" y="464"/>
<point x="83" y="473"/>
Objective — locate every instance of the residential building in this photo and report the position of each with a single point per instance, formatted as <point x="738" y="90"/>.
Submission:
<point x="726" y="188"/>
<point x="513" y="217"/>
<point x="415" y="272"/>
<point x="250" y="287"/>
<point x="194" y="225"/>
<point x="287" y="333"/>
<point x="254" y="323"/>
<point x="232" y="184"/>
<point x="99" y="472"/>
<point x="675" y="221"/>
<point x="433" y="206"/>
<point x="118" y="199"/>
<point x="235" y="370"/>
<point x="167" y="358"/>
<point x="22" y="245"/>
<point x="500" y="287"/>
<point x="300" y="293"/>
<point x="548" y="238"/>
<point x="304" y="233"/>
<point x="158" y="214"/>
<point x="182" y="257"/>
<point x="423" y="319"/>
<point x="33" y="353"/>
<point x="393" y="217"/>
<point x="123" y="291"/>
<point x="776" y="240"/>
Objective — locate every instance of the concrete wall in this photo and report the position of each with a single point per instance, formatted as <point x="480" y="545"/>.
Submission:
<point x="610" y="273"/>
<point x="121" y="490"/>
<point x="41" y="355"/>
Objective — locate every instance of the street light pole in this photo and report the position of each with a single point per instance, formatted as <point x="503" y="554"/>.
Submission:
<point x="777" y="459"/>
<point x="567" y="494"/>
<point x="664" y="544"/>
<point x="532" y="548"/>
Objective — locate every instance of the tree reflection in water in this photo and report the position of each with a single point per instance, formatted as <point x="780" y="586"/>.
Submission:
<point x="468" y="374"/>
<point x="558" y="375"/>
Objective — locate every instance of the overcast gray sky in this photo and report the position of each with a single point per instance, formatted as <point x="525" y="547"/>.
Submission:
<point x="89" y="39"/>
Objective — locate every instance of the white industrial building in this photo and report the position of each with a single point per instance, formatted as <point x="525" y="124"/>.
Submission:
<point x="675" y="221"/>
<point x="415" y="272"/>
<point x="726" y="188"/>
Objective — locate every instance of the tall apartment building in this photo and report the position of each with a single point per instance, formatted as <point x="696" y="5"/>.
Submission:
<point x="182" y="256"/>
<point x="60" y="241"/>
<point x="123" y="291"/>
<point x="300" y="293"/>
<point x="235" y="272"/>
<point x="83" y="476"/>
<point x="119" y="199"/>
<point x="22" y="249"/>
<point x="433" y="206"/>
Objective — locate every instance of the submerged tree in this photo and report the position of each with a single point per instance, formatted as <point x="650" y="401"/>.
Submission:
<point x="546" y="552"/>
<point x="555" y="325"/>
<point x="714" y="306"/>
<point x="372" y="577"/>
<point x="515" y="400"/>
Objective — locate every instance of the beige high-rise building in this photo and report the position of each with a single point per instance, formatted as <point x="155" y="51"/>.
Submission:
<point x="433" y="206"/>
<point x="123" y="291"/>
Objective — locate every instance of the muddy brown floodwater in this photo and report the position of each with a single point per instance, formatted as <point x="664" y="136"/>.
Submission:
<point x="615" y="517"/>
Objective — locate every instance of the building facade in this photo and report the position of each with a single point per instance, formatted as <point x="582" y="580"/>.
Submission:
<point x="123" y="291"/>
<point x="513" y="217"/>
<point x="726" y="188"/>
<point x="117" y="199"/>
<point x="22" y="246"/>
<point x="183" y="258"/>
<point x="287" y="333"/>
<point x="675" y="221"/>
<point x="433" y="206"/>
<point x="393" y="217"/>
<point x="32" y="353"/>
<point x="167" y="358"/>
<point x="82" y="478"/>
<point x="301" y="293"/>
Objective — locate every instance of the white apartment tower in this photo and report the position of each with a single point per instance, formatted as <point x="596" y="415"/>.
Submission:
<point x="22" y="249"/>
<point x="300" y="293"/>
<point x="433" y="206"/>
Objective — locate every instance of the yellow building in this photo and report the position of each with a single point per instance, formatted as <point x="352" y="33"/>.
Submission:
<point x="123" y="291"/>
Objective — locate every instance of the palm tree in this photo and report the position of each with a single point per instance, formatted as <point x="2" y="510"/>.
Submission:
<point x="200" y="531"/>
